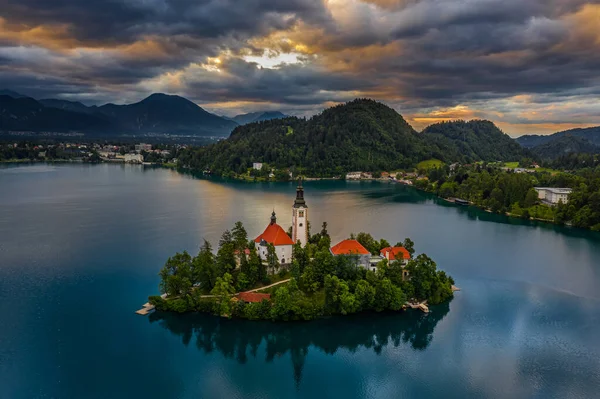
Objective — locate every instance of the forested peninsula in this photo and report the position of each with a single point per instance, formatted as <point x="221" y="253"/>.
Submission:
<point x="314" y="285"/>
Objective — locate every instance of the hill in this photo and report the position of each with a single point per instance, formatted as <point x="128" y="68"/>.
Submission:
<point x="591" y="134"/>
<point x="473" y="141"/>
<point x="359" y="135"/>
<point x="27" y="114"/>
<point x="563" y="146"/>
<point x="244" y="119"/>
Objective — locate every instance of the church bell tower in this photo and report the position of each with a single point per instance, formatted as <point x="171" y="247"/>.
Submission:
<point x="300" y="216"/>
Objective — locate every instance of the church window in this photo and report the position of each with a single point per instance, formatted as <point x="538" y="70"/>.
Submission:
<point x="300" y="224"/>
<point x="301" y="214"/>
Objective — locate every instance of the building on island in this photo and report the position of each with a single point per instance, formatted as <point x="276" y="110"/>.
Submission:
<point x="355" y="249"/>
<point x="396" y="254"/>
<point x="353" y="175"/>
<point x="252" y="297"/>
<point x="553" y="196"/>
<point x="276" y="236"/>
<point x="300" y="216"/>
<point x="257" y="165"/>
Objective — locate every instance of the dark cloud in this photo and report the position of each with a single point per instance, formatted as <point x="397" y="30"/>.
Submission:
<point x="420" y="55"/>
<point x="125" y="21"/>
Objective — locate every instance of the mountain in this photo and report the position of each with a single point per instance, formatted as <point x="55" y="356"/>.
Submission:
<point x="162" y="113"/>
<point x="74" y="106"/>
<point x="10" y="93"/>
<point x="565" y="145"/>
<point x="158" y="113"/>
<point x="360" y="135"/>
<point x="591" y="134"/>
<point x="473" y="141"/>
<point x="27" y="114"/>
<point x="244" y="119"/>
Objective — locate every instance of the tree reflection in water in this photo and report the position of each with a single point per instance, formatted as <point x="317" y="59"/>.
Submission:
<point x="238" y="339"/>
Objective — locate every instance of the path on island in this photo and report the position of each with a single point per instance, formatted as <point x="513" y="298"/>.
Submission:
<point x="253" y="290"/>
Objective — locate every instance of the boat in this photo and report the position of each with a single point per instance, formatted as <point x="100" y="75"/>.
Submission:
<point x="462" y="202"/>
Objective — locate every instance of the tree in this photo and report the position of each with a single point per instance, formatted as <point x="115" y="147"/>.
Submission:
<point x="272" y="260"/>
<point x="223" y="291"/>
<point x="204" y="269"/>
<point x="176" y="275"/>
<point x="409" y="245"/>
<point x="239" y="236"/>
<point x="226" y="254"/>
<point x="365" y="294"/>
<point x="531" y="198"/>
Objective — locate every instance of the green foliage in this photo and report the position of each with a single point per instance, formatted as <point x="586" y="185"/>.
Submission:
<point x="359" y="135"/>
<point x="223" y="291"/>
<point x="176" y="275"/>
<point x="427" y="282"/>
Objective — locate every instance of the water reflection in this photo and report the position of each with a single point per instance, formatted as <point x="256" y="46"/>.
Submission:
<point x="239" y="339"/>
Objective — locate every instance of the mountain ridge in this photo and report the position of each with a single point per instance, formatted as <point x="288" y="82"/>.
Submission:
<point x="158" y="113"/>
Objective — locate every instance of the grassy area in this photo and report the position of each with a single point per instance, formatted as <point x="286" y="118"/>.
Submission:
<point x="430" y="164"/>
<point x="511" y="164"/>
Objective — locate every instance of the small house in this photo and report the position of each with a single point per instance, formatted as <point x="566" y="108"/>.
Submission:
<point x="352" y="248"/>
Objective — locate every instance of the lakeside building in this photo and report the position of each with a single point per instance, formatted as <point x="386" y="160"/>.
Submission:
<point x="143" y="147"/>
<point x="133" y="158"/>
<point x="353" y="175"/>
<point x="355" y="249"/>
<point x="553" y="196"/>
<point x="257" y="165"/>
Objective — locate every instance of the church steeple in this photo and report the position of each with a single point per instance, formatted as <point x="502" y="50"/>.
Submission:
<point x="299" y="201"/>
<point x="273" y="217"/>
<point x="300" y="216"/>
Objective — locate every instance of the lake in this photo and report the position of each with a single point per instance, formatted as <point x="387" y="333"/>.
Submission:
<point x="81" y="246"/>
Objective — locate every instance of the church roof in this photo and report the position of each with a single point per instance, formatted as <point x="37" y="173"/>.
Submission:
<point x="396" y="253"/>
<point x="349" y="247"/>
<point x="274" y="234"/>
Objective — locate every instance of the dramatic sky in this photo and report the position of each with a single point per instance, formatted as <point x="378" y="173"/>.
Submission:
<point x="531" y="66"/>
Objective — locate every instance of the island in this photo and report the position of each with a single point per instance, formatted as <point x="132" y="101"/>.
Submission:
<point x="296" y="275"/>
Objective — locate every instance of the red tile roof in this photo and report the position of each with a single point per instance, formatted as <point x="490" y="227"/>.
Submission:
<point x="253" y="297"/>
<point x="349" y="247"/>
<point x="275" y="235"/>
<point x="392" y="253"/>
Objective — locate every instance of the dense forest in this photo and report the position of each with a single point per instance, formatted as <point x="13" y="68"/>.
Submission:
<point x="475" y="140"/>
<point x="563" y="146"/>
<point x="500" y="191"/>
<point x="360" y="135"/>
<point x="320" y="284"/>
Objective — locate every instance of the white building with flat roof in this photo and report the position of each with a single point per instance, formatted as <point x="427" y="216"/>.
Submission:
<point x="553" y="195"/>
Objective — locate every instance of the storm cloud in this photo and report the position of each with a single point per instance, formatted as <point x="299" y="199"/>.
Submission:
<point x="530" y="66"/>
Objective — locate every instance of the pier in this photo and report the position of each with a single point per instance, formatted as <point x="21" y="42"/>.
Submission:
<point x="147" y="307"/>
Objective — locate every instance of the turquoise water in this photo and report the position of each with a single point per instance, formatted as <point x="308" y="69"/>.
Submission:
<point x="81" y="246"/>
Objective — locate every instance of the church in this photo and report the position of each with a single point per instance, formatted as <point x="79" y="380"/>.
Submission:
<point x="274" y="234"/>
